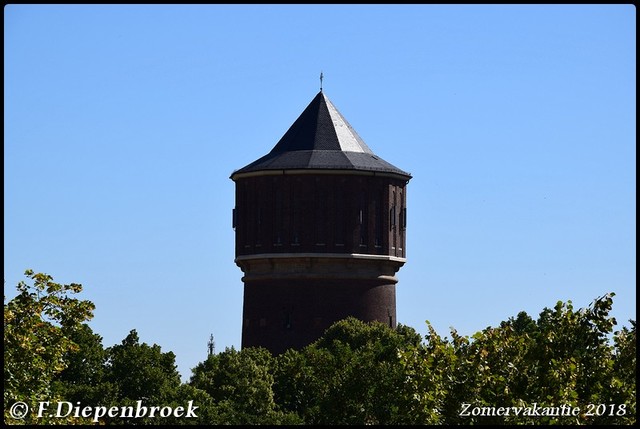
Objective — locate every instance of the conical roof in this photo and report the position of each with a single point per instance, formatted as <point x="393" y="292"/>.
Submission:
<point x="321" y="138"/>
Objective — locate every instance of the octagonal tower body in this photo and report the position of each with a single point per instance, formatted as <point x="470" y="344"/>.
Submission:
<point x="320" y="224"/>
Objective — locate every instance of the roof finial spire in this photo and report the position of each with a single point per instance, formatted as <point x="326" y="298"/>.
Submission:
<point x="321" y="81"/>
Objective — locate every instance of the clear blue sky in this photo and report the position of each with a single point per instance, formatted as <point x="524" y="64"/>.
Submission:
<point x="123" y="123"/>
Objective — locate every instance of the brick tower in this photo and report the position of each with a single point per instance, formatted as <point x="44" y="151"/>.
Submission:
<point x="320" y="225"/>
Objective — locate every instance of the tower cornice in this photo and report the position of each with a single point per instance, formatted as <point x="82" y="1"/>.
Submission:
<point x="321" y="255"/>
<point x="321" y="171"/>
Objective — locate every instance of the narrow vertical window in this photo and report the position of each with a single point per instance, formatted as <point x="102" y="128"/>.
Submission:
<point x="259" y="226"/>
<point x="233" y="218"/>
<point x="287" y="321"/>
<point x="401" y="205"/>
<point x="392" y="220"/>
<point x="392" y="212"/>
<point x="295" y="239"/>
<point x="392" y="217"/>
<point x="378" y="219"/>
<point x="278" y="215"/>
<point x="403" y="218"/>
<point x="339" y="221"/>
<point x="364" y="220"/>
<point x="321" y="214"/>
<point x="402" y="222"/>
<point x="246" y="216"/>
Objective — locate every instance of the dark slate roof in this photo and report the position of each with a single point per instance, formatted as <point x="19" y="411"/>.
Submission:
<point x="321" y="138"/>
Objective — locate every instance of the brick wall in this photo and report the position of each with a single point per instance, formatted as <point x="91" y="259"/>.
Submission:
<point x="320" y="214"/>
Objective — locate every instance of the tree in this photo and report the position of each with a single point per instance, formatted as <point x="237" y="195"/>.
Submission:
<point x="141" y="372"/>
<point x="36" y="343"/>
<point x="623" y="385"/>
<point x="84" y="379"/>
<point x="351" y="375"/>
<point x="122" y="375"/>
<point x="240" y="386"/>
<point x="356" y="373"/>
<point x="565" y="358"/>
<point x="431" y="376"/>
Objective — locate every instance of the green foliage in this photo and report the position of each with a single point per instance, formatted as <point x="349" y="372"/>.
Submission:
<point x="430" y="373"/>
<point x="623" y="381"/>
<point x="122" y="375"/>
<point x="36" y="347"/>
<point x="356" y="373"/>
<point x="139" y="371"/>
<point x="83" y="380"/>
<point x="240" y="386"/>
<point x="351" y="375"/>
<point x="565" y="358"/>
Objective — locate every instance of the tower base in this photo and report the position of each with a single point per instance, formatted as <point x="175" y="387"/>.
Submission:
<point x="290" y="300"/>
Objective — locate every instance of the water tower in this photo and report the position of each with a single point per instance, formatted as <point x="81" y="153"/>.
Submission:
<point x="320" y="226"/>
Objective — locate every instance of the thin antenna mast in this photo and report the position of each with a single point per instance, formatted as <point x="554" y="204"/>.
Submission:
<point x="211" y="345"/>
